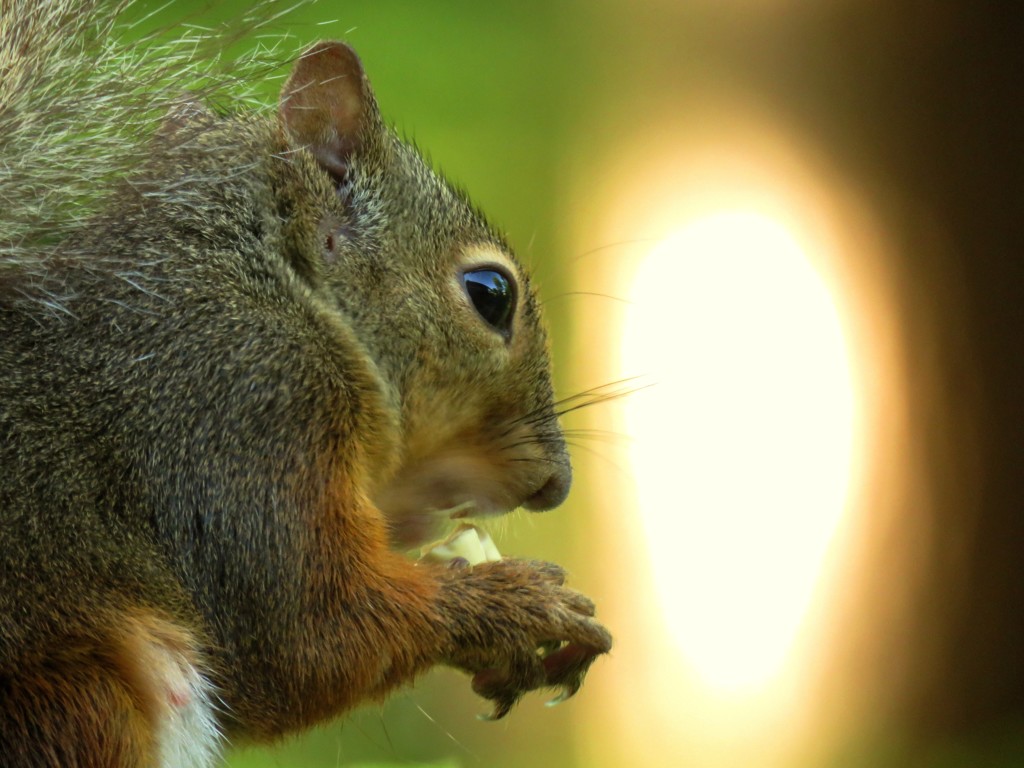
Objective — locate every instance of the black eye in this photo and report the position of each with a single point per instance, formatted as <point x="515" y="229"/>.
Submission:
<point x="493" y="295"/>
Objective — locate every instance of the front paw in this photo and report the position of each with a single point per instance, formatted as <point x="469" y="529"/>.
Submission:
<point x="516" y="627"/>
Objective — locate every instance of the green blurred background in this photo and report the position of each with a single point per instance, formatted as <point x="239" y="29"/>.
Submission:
<point x="915" y="108"/>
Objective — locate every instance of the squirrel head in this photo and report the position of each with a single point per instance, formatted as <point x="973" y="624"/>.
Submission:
<point x="436" y="297"/>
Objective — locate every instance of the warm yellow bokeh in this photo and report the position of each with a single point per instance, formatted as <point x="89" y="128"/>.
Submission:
<point x="753" y="301"/>
<point x="742" y="447"/>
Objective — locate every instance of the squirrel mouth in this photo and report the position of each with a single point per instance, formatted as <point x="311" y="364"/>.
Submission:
<point x="459" y="511"/>
<point x="427" y="498"/>
<point x="413" y="530"/>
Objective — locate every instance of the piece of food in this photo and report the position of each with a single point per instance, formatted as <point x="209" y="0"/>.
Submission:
<point x="472" y="544"/>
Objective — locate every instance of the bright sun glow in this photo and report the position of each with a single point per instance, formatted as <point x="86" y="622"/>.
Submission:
<point x="742" y="448"/>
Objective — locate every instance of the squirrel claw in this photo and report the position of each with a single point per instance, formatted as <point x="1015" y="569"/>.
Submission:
<point x="549" y="647"/>
<point x="569" y="663"/>
<point x="495" y="686"/>
<point x="501" y="708"/>
<point x="567" y="693"/>
<point x="490" y="717"/>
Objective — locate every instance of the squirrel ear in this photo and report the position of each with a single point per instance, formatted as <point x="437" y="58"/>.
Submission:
<point x="327" y="104"/>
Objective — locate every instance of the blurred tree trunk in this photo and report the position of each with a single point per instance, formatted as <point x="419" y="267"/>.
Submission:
<point x="923" y="103"/>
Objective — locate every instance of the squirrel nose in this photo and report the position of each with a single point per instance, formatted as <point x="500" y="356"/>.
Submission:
<point x="553" y="491"/>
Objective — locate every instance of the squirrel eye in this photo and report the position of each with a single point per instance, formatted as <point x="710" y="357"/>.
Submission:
<point x="493" y="296"/>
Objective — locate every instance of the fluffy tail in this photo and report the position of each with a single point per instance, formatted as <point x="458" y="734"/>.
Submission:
<point x="83" y="86"/>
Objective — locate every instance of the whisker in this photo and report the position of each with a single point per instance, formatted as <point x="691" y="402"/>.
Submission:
<point x="557" y="269"/>
<point x="596" y="294"/>
<point x="599" y="388"/>
<point x="601" y="397"/>
<point x="619" y="469"/>
<point x="445" y="731"/>
<point x="609" y="246"/>
<point x="603" y="392"/>
<point x="534" y="459"/>
<point x="600" y="394"/>
<point x="602" y="435"/>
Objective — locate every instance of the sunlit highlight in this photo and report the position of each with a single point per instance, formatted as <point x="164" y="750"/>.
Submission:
<point x="742" y="449"/>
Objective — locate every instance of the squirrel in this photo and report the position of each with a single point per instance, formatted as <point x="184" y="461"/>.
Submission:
<point x="279" y="351"/>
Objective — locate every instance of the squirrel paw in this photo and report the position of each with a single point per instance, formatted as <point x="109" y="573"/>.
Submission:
<point x="515" y="626"/>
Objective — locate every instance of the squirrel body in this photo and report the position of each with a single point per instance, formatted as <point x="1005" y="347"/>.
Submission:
<point x="227" y="400"/>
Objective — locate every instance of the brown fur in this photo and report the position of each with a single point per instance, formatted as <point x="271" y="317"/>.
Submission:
<point x="87" y="702"/>
<point x="263" y="373"/>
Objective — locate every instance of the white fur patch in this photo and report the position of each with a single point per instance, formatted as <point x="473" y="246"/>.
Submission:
<point x="188" y="736"/>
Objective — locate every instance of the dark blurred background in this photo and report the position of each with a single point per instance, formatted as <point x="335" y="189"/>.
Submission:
<point x="907" y="118"/>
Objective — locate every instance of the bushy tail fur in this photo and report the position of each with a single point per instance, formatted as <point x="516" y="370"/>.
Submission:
<point x="83" y="86"/>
